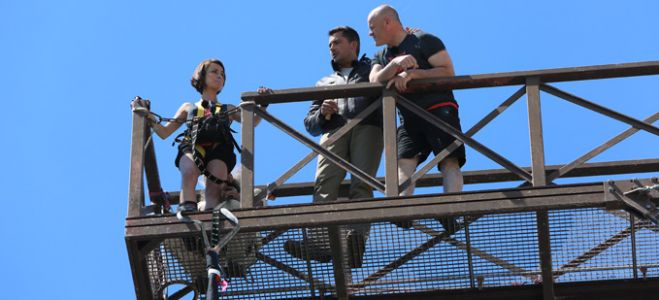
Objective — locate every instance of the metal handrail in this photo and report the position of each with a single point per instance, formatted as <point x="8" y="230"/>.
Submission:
<point x="534" y="81"/>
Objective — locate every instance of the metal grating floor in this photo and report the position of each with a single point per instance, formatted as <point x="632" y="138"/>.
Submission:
<point x="495" y="250"/>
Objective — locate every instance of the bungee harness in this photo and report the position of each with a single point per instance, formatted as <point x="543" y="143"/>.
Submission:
<point x="208" y="126"/>
<point x="209" y="129"/>
<point x="204" y="129"/>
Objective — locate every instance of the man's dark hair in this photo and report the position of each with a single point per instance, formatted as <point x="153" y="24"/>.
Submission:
<point x="350" y="34"/>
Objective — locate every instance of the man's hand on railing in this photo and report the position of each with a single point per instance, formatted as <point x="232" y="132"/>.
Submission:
<point x="401" y="80"/>
<point x="404" y="62"/>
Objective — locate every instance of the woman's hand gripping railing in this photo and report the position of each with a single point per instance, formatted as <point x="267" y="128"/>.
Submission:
<point x="142" y="107"/>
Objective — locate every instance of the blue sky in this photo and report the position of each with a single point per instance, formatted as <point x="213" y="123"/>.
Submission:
<point x="70" y="69"/>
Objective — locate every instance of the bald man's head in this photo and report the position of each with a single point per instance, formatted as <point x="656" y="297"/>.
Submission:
<point x="385" y="10"/>
<point x="384" y="25"/>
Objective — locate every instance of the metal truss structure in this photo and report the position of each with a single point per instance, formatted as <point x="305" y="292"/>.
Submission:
<point x="539" y="240"/>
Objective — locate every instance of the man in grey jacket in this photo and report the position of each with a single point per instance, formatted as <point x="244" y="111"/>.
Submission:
<point x="362" y="146"/>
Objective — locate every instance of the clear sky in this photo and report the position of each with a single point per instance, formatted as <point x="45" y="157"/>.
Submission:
<point x="70" y="68"/>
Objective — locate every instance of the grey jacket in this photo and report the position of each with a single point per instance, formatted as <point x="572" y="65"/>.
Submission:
<point x="349" y="108"/>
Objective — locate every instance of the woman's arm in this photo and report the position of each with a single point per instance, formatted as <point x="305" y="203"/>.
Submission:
<point x="164" y="131"/>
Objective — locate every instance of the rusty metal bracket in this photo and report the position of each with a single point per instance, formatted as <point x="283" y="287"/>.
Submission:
<point x="639" y="197"/>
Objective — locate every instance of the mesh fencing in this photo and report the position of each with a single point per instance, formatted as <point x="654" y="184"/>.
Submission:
<point x="468" y="252"/>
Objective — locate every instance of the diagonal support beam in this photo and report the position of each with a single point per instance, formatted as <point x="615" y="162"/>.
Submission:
<point x="272" y="236"/>
<point x="181" y="293"/>
<point x="363" y="176"/>
<point x="478" y="252"/>
<point x="457" y="143"/>
<point x="292" y="271"/>
<point x="600" y="109"/>
<point x="626" y="216"/>
<point x="436" y="239"/>
<point x="465" y="139"/>
<point x="335" y="136"/>
<point x="401" y="260"/>
<point x="597" y="150"/>
<point x="610" y="242"/>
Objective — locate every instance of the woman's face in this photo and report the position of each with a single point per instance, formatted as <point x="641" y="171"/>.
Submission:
<point x="214" y="77"/>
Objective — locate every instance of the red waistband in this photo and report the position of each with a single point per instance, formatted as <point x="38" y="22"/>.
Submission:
<point x="206" y="145"/>
<point x="442" y="104"/>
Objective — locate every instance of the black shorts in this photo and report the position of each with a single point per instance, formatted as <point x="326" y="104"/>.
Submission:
<point x="221" y="152"/>
<point x="418" y="137"/>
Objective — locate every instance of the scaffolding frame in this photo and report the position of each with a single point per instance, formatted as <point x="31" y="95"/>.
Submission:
<point x="538" y="193"/>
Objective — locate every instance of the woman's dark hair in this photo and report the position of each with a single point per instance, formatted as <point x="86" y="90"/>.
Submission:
<point x="198" y="80"/>
<point x="350" y="34"/>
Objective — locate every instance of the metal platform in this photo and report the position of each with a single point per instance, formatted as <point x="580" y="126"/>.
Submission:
<point x="496" y="246"/>
<point x="536" y="241"/>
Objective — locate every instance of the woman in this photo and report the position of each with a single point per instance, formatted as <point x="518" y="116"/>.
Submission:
<point x="216" y="154"/>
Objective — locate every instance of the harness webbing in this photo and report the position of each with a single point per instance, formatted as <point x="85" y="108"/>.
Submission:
<point x="198" y="152"/>
<point x="198" y="159"/>
<point x="201" y="113"/>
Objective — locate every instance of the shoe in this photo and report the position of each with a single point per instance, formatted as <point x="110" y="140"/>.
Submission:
<point x="186" y="208"/>
<point x="235" y="269"/>
<point x="192" y="244"/>
<point x="356" y="249"/>
<point x="404" y="224"/>
<point x="298" y="249"/>
<point x="451" y="226"/>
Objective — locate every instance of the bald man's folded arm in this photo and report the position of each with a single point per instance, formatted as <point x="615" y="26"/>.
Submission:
<point x="442" y="67"/>
<point x="382" y="74"/>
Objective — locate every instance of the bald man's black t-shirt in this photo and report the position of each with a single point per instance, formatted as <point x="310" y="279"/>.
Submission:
<point x="421" y="45"/>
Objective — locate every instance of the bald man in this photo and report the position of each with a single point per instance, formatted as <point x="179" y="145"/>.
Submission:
<point x="410" y="56"/>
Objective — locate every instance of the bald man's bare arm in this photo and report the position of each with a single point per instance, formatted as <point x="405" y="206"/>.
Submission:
<point x="377" y="74"/>
<point x="395" y="66"/>
<point x="442" y="67"/>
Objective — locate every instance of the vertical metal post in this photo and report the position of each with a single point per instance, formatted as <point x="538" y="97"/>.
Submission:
<point x="157" y="199"/>
<point x="139" y="269"/>
<point x="632" y="222"/>
<point x="535" y="132"/>
<point x="390" y="146"/>
<point x="342" y="274"/>
<point x="470" y="260"/>
<point x="312" y="287"/>
<point x="247" y="155"/>
<point x="542" y="218"/>
<point x="136" y="176"/>
<point x="539" y="179"/>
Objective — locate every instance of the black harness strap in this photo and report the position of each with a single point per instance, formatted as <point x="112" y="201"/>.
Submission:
<point x="198" y="160"/>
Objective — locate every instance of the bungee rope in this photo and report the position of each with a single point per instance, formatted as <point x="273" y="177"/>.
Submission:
<point x="217" y="276"/>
